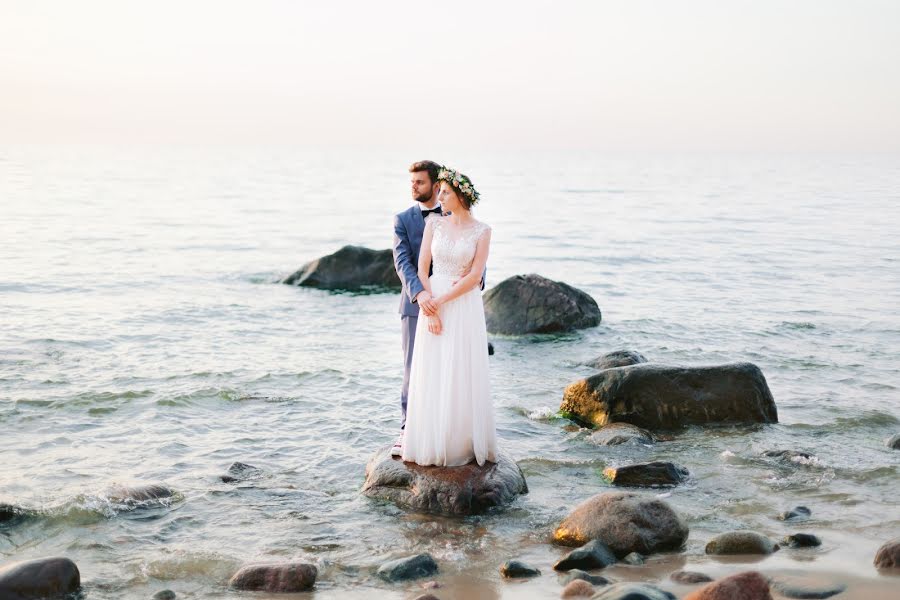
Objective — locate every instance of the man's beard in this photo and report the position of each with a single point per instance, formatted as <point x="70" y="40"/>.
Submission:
<point x="423" y="198"/>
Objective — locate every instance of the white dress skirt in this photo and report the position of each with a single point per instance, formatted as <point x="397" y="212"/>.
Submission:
<point x="450" y="416"/>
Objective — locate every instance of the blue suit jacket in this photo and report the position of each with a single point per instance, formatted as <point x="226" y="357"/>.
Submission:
<point x="409" y="226"/>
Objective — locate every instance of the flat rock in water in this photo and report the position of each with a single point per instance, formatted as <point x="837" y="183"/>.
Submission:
<point x="741" y="542"/>
<point x="798" y="513"/>
<point x="626" y="522"/>
<point x="164" y="595"/>
<point x="533" y="304"/>
<point x="579" y="588"/>
<point x="888" y="556"/>
<point x="749" y="585"/>
<point x="464" y="490"/>
<point x="619" y="358"/>
<point x="351" y="268"/>
<point x="275" y="578"/>
<point x="689" y="577"/>
<point x="802" y="540"/>
<point x="805" y="588"/>
<point x="894" y="442"/>
<point x="665" y="397"/>
<point x="649" y="474"/>
<point x="632" y="591"/>
<point x="614" y="434"/>
<point x="41" y="578"/>
<point x="241" y="472"/>
<point x="575" y="574"/>
<point x="593" y="555"/>
<point x="140" y="493"/>
<point x="410" y="567"/>
<point x="514" y="569"/>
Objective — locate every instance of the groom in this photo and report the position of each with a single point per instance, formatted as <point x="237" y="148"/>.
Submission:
<point x="408" y="229"/>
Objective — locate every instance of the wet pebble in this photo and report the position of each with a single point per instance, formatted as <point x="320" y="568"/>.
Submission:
<point x="514" y="569"/>
<point x="798" y="513"/>
<point x="593" y="555"/>
<point x="410" y="567"/>
<point x="576" y="574"/>
<point x="802" y="540"/>
<point x="578" y="588"/>
<point x="741" y="542"/>
<point x="689" y="577"/>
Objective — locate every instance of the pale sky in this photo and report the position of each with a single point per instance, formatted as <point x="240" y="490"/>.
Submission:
<point x="760" y="75"/>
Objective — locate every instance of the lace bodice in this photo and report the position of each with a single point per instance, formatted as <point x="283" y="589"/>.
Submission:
<point x="454" y="255"/>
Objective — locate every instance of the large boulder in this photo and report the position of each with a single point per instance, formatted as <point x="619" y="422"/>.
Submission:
<point x="42" y="578"/>
<point x="351" y="268"/>
<point x="275" y="578"/>
<point x="749" y="585"/>
<point x="532" y="304"/>
<point x="888" y="556"/>
<point x="626" y="522"/>
<point x="666" y="397"/>
<point x="466" y="490"/>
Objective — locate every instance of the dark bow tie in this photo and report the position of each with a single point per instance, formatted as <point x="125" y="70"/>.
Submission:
<point x="433" y="210"/>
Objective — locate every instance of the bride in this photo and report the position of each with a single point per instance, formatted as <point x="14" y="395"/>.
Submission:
<point x="450" y="418"/>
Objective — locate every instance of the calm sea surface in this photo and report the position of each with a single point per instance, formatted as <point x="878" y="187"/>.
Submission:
<point x="143" y="339"/>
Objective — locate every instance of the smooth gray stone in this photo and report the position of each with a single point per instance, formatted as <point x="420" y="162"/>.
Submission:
<point x="894" y="441"/>
<point x="593" y="555"/>
<point x="634" y="558"/>
<point x="410" y="567"/>
<point x="351" y="268"/>
<point x="40" y="578"/>
<point x="164" y="595"/>
<point x="241" y="472"/>
<point x="632" y="591"/>
<point x="574" y="574"/>
<point x="614" y="434"/>
<point x="651" y="474"/>
<point x="660" y="397"/>
<point x="526" y="304"/>
<point x="514" y="569"/>
<point x="689" y="577"/>
<point x="803" y="591"/>
<point x="802" y="540"/>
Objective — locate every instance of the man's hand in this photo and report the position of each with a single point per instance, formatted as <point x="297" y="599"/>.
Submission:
<point x="434" y="325"/>
<point x="426" y="304"/>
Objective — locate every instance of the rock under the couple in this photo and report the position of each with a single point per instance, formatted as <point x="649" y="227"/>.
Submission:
<point x="351" y="268"/>
<point x="532" y="304"/>
<point x="668" y="397"/>
<point x="464" y="490"/>
<point x="53" y="577"/>
<point x="626" y="522"/>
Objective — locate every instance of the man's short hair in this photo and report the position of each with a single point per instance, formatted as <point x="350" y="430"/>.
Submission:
<point x="426" y="165"/>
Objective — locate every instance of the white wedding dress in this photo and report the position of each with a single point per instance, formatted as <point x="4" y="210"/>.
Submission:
<point x="450" y="417"/>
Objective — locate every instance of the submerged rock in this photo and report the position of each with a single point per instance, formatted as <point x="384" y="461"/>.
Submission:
<point x="665" y="397"/>
<point x="805" y="588"/>
<point x="632" y="591"/>
<point x="796" y="457"/>
<point x="465" y="490"/>
<point x="626" y="522"/>
<point x="141" y="493"/>
<point x="241" y="472"/>
<point x="619" y="358"/>
<point x="614" y="434"/>
<point x="579" y="588"/>
<point x="888" y="556"/>
<point x="350" y="268"/>
<point x="689" y="577"/>
<point x="53" y="577"/>
<point x="593" y="555"/>
<point x="798" y="513"/>
<point x="11" y="514"/>
<point x="164" y="595"/>
<point x="646" y="474"/>
<point x="802" y="540"/>
<point x="749" y="585"/>
<point x="410" y="567"/>
<point x="894" y="442"/>
<point x="741" y="542"/>
<point x="634" y="558"/>
<point x="574" y="574"/>
<point x="532" y="304"/>
<point x="514" y="569"/>
<point x="275" y="578"/>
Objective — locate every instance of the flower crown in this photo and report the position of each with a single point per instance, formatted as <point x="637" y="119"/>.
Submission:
<point x="461" y="182"/>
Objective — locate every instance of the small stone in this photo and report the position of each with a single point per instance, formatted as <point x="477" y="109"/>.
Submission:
<point x="164" y="595"/>
<point x="593" y="555"/>
<point x="577" y="588"/>
<point x="633" y="559"/>
<point x="749" y="585"/>
<point x="888" y="556"/>
<point x="615" y="434"/>
<point x="514" y="569"/>
<point x="689" y="577"/>
<point x="579" y="574"/>
<point x="798" y="513"/>
<point x="792" y="587"/>
<point x="894" y="442"/>
<point x="741" y="542"/>
<point x="241" y="472"/>
<point x="802" y="540"/>
<point x="651" y="474"/>
<point x="410" y="567"/>
<point x="632" y="591"/>
<point x="275" y="578"/>
<point x="427" y="597"/>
